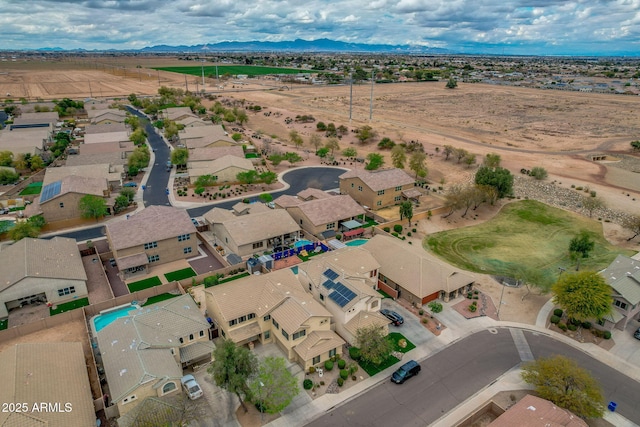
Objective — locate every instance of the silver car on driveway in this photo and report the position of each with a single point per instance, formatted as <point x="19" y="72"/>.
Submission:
<point x="191" y="387"/>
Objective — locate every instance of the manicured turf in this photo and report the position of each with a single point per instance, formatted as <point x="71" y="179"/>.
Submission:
<point x="372" y="369"/>
<point x="4" y="324"/>
<point x="144" y="284"/>
<point x="234" y="70"/>
<point x="251" y="156"/>
<point x="394" y="337"/>
<point x="524" y="235"/>
<point x="384" y="294"/>
<point x="71" y="305"/>
<point x="185" y="273"/>
<point x="33" y="188"/>
<point x="158" y="298"/>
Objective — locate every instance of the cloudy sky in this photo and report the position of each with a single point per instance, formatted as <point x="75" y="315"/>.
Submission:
<point x="552" y="27"/>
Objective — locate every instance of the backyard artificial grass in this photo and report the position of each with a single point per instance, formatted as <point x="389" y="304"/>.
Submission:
<point x="158" y="298"/>
<point x="71" y="305"/>
<point x="33" y="188"/>
<point x="144" y="284"/>
<point x="185" y="273"/>
<point x="523" y="235"/>
<point x="4" y="324"/>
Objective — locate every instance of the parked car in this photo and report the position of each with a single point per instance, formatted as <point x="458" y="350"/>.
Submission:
<point x="129" y="184"/>
<point x="406" y="371"/>
<point x="395" y="318"/>
<point x="4" y="211"/>
<point x="191" y="387"/>
<point x="636" y="334"/>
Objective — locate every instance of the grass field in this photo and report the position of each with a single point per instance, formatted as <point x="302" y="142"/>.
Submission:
<point x="525" y="234"/>
<point x="233" y="70"/>
<point x="185" y="273"/>
<point x="71" y="305"/>
<point x="158" y="298"/>
<point x="33" y="188"/>
<point x="144" y="284"/>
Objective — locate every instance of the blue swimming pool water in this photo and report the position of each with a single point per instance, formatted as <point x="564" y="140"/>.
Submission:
<point x="301" y="243"/>
<point x="294" y="269"/>
<point x="103" y="320"/>
<point x="356" y="242"/>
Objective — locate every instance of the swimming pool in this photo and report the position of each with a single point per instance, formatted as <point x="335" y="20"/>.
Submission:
<point x="105" y="319"/>
<point x="301" y="243"/>
<point x="294" y="269"/>
<point x="356" y="242"/>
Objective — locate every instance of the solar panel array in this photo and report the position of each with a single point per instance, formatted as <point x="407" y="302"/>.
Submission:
<point x="328" y="284"/>
<point x="49" y="191"/>
<point x="330" y="274"/>
<point x="341" y="294"/>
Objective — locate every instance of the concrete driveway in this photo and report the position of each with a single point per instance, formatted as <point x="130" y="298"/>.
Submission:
<point x="627" y="347"/>
<point x="220" y="404"/>
<point x="411" y="329"/>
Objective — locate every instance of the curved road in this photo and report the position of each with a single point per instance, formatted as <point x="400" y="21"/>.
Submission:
<point x="454" y="374"/>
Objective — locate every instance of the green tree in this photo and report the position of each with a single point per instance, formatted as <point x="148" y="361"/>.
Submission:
<point x="37" y="163"/>
<point x="323" y="152"/>
<point x="398" y="157"/>
<point x="133" y="122"/>
<point x="237" y="137"/>
<point x="316" y="141"/>
<point x="295" y="138"/>
<point x="92" y="206"/>
<point x="580" y="246"/>
<point x="129" y="193"/>
<point x="447" y="151"/>
<point x="417" y="162"/>
<point x="8" y="177"/>
<point x="374" y="161"/>
<point x="452" y="83"/>
<point x="248" y="177"/>
<point x="539" y="173"/>
<point x="365" y="134"/>
<point x="499" y="178"/>
<point x="268" y="177"/>
<point x="138" y="136"/>
<point x="170" y="130"/>
<point x="635" y="145"/>
<point x="349" y="152"/>
<point x="180" y="156"/>
<point x="469" y="159"/>
<point x="332" y="144"/>
<point x="274" y="387"/>
<point x="492" y="160"/>
<point x="23" y="229"/>
<point x="632" y="223"/>
<point x="6" y="158"/>
<point x="37" y="221"/>
<point x="120" y="203"/>
<point x="321" y="126"/>
<point x="292" y="158"/>
<point x="232" y="367"/>
<point x="386" y="143"/>
<point x="583" y="295"/>
<point x="406" y="211"/>
<point x="592" y="203"/>
<point x="565" y="383"/>
<point x="140" y="157"/>
<point x="374" y="346"/>
<point x="265" y="197"/>
<point x="276" y="159"/>
<point x="241" y="117"/>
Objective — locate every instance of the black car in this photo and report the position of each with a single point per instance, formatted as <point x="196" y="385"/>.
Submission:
<point x="636" y="334"/>
<point x="406" y="371"/>
<point x="395" y="318"/>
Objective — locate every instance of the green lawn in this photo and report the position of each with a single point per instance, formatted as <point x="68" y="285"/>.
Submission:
<point x="4" y="324"/>
<point x="372" y="369"/>
<point x="251" y="155"/>
<point x="384" y="294"/>
<point x="524" y="235"/>
<point x="144" y="284"/>
<point x="158" y="298"/>
<point x="33" y="188"/>
<point x="234" y="70"/>
<point x="394" y="337"/>
<point x="185" y="273"/>
<point x="71" y="305"/>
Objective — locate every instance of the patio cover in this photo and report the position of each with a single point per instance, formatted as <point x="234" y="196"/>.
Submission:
<point x="336" y="244"/>
<point x="234" y="259"/>
<point x="351" y="224"/>
<point x="328" y="234"/>
<point x="132" y="261"/>
<point x="195" y="351"/>
<point x="413" y="193"/>
<point x="355" y="232"/>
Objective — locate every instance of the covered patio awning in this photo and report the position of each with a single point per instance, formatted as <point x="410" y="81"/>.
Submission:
<point x="351" y="224"/>
<point x="356" y="232"/>
<point x="195" y="351"/>
<point x="336" y="244"/>
<point x="328" y="234"/>
<point x="412" y="194"/>
<point x="132" y="261"/>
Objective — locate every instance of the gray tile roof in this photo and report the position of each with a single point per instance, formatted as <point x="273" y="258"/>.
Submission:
<point x="623" y="275"/>
<point x="330" y="209"/>
<point x="46" y="372"/>
<point x="153" y="224"/>
<point x="197" y="350"/>
<point x="212" y="153"/>
<point x="380" y="179"/>
<point x="57" y="258"/>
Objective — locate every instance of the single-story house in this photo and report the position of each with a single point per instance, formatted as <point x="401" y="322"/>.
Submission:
<point x="376" y="189"/>
<point x="49" y="118"/>
<point x="224" y="169"/>
<point x="623" y="275"/>
<point x="92" y="129"/>
<point x="177" y="113"/>
<point x="108" y="116"/>
<point x="25" y="141"/>
<point x="205" y="136"/>
<point x="100" y="138"/>
<point x="37" y="271"/>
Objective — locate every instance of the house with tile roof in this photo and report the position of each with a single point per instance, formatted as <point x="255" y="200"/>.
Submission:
<point x="344" y="282"/>
<point x="144" y="352"/>
<point x="533" y="411"/>
<point x="53" y="373"/>
<point x="623" y="276"/>
<point x="255" y="232"/>
<point x="177" y="113"/>
<point x="40" y="271"/>
<point x="376" y="189"/>
<point x="191" y="121"/>
<point x="205" y="136"/>
<point x="22" y="141"/>
<point x="37" y="119"/>
<point x="106" y="116"/>
<point x="411" y="273"/>
<point x="112" y="173"/>
<point x="155" y="235"/>
<point x="319" y="215"/>
<point x="224" y="169"/>
<point x="274" y="307"/>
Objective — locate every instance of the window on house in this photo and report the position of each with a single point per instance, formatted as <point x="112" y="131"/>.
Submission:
<point x="352" y="185"/>
<point x="267" y="318"/>
<point x="129" y="399"/>
<point x="66" y="291"/>
<point x="61" y="205"/>
<point x="201" y="333"/>
<point x="300" y="222"/>
<point x="233" y="322"/>
<point x="321" y="297"/>
<point x="168" y="387"/>
<point x="266" y="335"/>
<point x="331" y="226"/>
<point x="397" y="198"/>
<point x="399" y="188"/>
<point x="251" y="316"/>
<point x="299" y="334"/>
<point x="184" y="237"/>
<point x="150" y="245"/>
<point x="332" y="352"/>
<point x="181" y="340"/>
<point x="258" y="245"/>
<point x="223" y="333"/>
<point x="275" y="323"/>
<point x="373" y="273"/>
<point x="153" y="258"/>
<point x="316" y="360"/>
<point x="359" y="187"/>
<point x="310" y="287"/>
<point x="374" y="304"/>
<point x="380" y="192"/>
<point x="190" y="337"/>
<point x="242" y="319"/>
<point x="618" y="303"/>
<point x="379" y="203"/>
<point x="187" y="250"/>
<point x="285" y="334"/>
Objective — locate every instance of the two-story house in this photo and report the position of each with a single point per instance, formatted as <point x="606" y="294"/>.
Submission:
<point x="156" y="235"/>
<point x="344" y="281"/>
<point x="623" y="275"/>
<point x="376" y="189"/>
<point x="143" y="353"/>
<point x="274" y="308"/>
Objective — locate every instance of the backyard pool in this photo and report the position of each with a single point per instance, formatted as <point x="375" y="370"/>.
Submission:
<point x="294" y="269"/>
<point x="356" y="242"/>
<point x="302" y="243"/>
<point x="104" y="319"/>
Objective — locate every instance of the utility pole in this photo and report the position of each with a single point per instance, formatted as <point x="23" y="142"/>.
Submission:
<point x="350" y="96"/>
<point x="203" y="75"/>
<point x="217" y="75"/>
<point x="185" y="82"/>
<point x="371" y="98"/>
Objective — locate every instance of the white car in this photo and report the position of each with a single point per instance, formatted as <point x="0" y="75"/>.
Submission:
<point x="191" y="387"/>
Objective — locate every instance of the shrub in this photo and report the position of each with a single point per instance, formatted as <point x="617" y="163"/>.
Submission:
<point x="425" y="320"/>
<point x="353" y="377"/>
<point x="342" y="363"/>
<point x="409" y="234"/>
<point x="586" y="325"/>
<point x="321" y="382"/>
<point x="475" y="292"/>
<point x="354" y="353"/>
<point x="344" y="374"/>
<point x="328" y="365"/>
<point x="555" y="319"/>
<point x="340" y="382"/>
<point x="538" y="173"/>
<point x="413" y="230"/>
<point x="435" y="307"/>
<point x="558" y="312"/>
<point x="562" y="326"/>
<point x="606" y="335"/>
<point x="394" y="234"/>
<point x="312" y="369"/>
<point x="572" y="327"/>
<point x="353" y="368"/>
<point x="307" y="384"/>
<point x="473" y="308"/>
<point x="397" y="228"/>
<point x="387" y="229"/>
<point x="593" y="193"/>
<point x="421" y="312"/>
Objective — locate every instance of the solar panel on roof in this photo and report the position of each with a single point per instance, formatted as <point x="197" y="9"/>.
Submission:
<point x="49" y="191"/>
<point x="332" y="275"/>
<point x="338" y="298"/>
<point x="341" y="294"/>
<point x="328" y="284"/>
